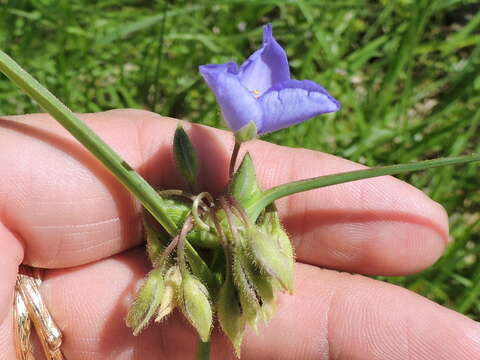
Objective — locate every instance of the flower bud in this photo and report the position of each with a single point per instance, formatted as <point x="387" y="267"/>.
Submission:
<point x="147" y="301"/>
<point x="267" y="251"/>
<point x="173" y="279"/>
<point x="185" y="156"/>
<point x="262" y="285"/>
<point x="244" y="186"/>
<point x="196" y="305"/>
<point x="230" y="314"/>
<point x="264" y="288"/>
<point x="249" y="299"/>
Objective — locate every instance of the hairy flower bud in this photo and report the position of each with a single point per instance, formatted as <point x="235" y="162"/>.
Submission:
<point x="249" y="299"/>
<point x="230" y="314"/>
<point x="147" y="301"/>
<point x="173" y="280"/>
<point x="267" y="253"/>
<point x="195" y="304"/>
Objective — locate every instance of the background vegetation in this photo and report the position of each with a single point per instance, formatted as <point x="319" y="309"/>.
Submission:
<point x="406" y="72"/>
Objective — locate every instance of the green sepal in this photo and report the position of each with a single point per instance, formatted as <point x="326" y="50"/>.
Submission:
<point x="147" y="301"/>
<point x="185" y="156"/>
<point x="246" y="133"/>
<point x="230" y="314"/>
<point x="244" y="186"/>
<point x="196" y="306"/>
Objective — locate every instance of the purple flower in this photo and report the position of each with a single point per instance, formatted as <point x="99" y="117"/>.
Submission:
<point x="261" y="91"/>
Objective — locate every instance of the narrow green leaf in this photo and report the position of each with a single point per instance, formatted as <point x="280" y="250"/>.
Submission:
<point x="255" y="206"/>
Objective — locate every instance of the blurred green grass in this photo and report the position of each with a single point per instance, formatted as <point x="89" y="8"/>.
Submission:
<point x="406" y="72"/>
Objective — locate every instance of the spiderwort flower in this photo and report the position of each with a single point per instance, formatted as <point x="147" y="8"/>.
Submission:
<point x="261" y="91"/>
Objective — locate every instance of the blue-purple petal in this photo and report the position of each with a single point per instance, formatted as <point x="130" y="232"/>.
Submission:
<point x="266" y="66"/>
<point x="292" y="102"/>
<point x="237" y="104"/>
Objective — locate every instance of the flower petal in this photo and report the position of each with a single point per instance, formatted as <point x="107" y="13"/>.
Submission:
<point x="292" y="102"/>
<point x="238" y="105"/>
<point x="266" y="66"/>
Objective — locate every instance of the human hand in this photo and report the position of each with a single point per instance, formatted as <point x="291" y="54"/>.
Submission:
<point x="61" y="210"/>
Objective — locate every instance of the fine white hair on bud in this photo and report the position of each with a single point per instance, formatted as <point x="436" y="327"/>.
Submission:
<point x="147" y="301"/>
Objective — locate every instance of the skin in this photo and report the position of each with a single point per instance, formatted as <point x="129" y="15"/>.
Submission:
<point x="61" y="210"/>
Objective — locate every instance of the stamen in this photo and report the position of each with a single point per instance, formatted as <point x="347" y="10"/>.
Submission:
<point x="256" y="93"/>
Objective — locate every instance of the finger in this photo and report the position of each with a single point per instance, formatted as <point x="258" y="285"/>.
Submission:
<point x="330" y="316"/>
<point x="69" y="210"/>
<point x="11" y="255"/>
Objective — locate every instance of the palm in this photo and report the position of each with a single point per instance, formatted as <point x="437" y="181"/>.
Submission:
<point x="61" y="210"/>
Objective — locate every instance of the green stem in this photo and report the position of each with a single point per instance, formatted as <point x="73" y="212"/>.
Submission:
<point x="269" y="196"/>
<point x="119" y="167"/>
<point x="203" y="350"/>
<point x="233" y="159"/>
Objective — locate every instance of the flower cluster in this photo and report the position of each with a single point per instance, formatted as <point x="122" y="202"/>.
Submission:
<point x="228" y="260"/>
<point x="250" y="261"/>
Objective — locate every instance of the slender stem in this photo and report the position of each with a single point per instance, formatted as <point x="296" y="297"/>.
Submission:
<point x="233" y="159"/>
<point x="168" y="250"/>
<point x="119" y="167"/>
<point x="203" y="350"/>
<point x="269" y="196"/>
<point x="187" y="226"/>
